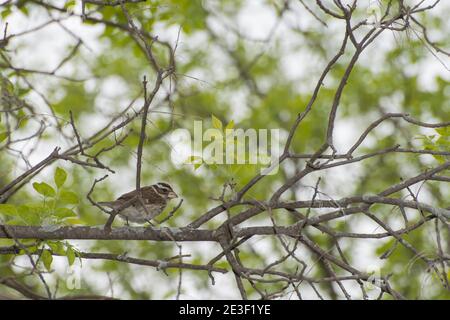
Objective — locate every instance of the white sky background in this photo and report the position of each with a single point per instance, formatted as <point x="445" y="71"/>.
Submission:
<point x="256" y="20"/>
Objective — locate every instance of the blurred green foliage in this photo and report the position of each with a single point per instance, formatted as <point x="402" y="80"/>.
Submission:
<point x="392" y="82"/>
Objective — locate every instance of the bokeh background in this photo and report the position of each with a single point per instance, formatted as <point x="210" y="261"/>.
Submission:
<point x="253" y="62"/>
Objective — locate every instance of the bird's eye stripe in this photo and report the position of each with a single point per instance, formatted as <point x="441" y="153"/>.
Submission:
<point x="164" y="186"/>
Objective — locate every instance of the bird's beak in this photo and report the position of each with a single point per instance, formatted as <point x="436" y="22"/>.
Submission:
<point x="172" y="195"/>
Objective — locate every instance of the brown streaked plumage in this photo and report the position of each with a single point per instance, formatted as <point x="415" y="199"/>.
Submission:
<point x="155" y="198"/>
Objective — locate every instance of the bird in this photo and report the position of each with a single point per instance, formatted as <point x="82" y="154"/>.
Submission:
<point x="155" y="198"/>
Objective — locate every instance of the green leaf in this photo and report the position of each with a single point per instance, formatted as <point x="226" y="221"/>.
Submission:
<point x="31" y="249"/>
<point x="197" y="165"/>
<point x="5" y="13"/>
<point x="69" y="3"/>
<point x="24" y="10"/>
<point x="44" y="189"/>
<point x="60" y="177"/>
<point x="56" y="246"/>
<point x="68" y="197"/>
<point x="70" y="255"/>
<point x="29" y="214"/>
<point x="63" y="213"/>
<point x="445" y="132"/>
<point x="47" y="259"/>
<point x="216" y="122"/>
<point x="3" y="136"/>
<point x="8" y="210"/>
<point x="230" y="125"/>
<point x="53" y="245"/>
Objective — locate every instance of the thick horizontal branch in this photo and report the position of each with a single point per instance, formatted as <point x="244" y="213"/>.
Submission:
<point x="98" y="233"/>
<point x="112" y="3"/>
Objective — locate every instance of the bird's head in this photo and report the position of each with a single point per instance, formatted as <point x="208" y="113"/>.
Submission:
<point x="166" y="190"/>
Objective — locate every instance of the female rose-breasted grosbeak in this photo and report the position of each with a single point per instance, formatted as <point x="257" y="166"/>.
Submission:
<point x="155" y="198"/>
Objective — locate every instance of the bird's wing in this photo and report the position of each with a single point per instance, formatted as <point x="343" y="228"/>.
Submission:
<point x="129" y="195"/>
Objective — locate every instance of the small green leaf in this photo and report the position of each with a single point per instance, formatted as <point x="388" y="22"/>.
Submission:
<point x="68" y="197"/>
<point x="60" y="247"/>
<point x="56" y="246"/>
<point x="5" y="13"/>
<point x="8" y="209"/>
<point x="230" y="125"/>
<point x="197" y="165"/>
<point x="29" y="214"/>
<point x="69" y="3"/>
<point x="63" y="213"/>
<point x="24" y="10"/>
<point x="3" y="136"/>
<point x="47" y="259"/>
<point x="445" y="132"/>
<point x="53" y="245"/>
<point x="60" y="177"/>
<point x="44" y="189"/>
<point x="216" y="122"/>
<point x="29" y="250"/>
<point x="70" y="255"/>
